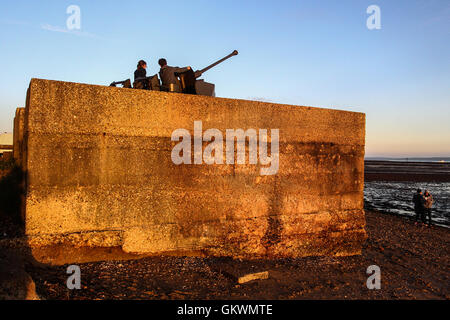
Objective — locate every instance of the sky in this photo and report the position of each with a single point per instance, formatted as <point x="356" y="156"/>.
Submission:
<point x="316" y="53"/>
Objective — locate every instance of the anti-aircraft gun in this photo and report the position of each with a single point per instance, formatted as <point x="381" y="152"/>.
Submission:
<point x="189" y="81"/>
<point x="190" y="84"/>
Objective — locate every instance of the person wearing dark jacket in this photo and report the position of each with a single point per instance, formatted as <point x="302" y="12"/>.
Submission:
<point x="419" y="205"/>
<point x="428" y="205"/>
<point x="140" y="75"/>
<point x="167" y="74"/>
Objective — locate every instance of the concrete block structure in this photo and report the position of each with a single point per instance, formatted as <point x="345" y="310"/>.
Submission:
<point x="99" y="169"/>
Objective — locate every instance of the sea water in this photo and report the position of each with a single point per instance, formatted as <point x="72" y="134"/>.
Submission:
<point x="396" y="198"/>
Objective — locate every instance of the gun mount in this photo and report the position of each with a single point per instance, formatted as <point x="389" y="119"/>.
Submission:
<point x="147" y="83"/>
<point x="190" y="84"/>
<point x="124" y="84"/>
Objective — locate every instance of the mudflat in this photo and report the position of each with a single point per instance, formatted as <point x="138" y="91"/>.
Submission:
<point x="406" y="171"/>
<point x="414" y="262"/>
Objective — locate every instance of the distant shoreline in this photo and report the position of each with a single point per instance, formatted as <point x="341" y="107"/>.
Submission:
<point x="412" y="159"/>
<point x="414" y="171"/>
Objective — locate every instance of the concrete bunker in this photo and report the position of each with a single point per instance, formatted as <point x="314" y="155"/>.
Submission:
<point x="99" y="173"/>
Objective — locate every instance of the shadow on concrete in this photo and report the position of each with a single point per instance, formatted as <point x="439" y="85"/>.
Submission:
<point x="275" y="226"/>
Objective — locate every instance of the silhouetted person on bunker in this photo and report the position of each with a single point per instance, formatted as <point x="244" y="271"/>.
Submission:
<point x="167" y="75"/>
<point x="140" y="76"/>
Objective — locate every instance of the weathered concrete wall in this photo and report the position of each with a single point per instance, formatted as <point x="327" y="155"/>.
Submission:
<point x="98" y="162"/>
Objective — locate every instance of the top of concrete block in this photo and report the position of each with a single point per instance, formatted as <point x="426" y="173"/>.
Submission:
<point x="56" y="106"/>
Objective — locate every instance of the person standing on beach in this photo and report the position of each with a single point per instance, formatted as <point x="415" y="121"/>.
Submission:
<point x="419" y="205"/>
<point x="428" y="205"/>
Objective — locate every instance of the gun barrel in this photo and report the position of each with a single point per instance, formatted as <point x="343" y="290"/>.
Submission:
<point x="234" y="53"/>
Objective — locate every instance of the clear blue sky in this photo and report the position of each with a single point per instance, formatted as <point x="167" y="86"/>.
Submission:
<point x="315" y="53"/>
